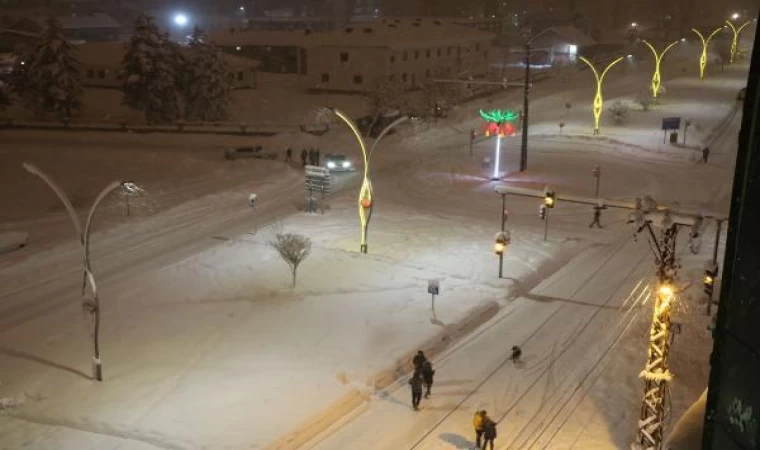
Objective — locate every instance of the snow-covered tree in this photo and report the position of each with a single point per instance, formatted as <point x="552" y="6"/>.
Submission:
<point x="150" y="73"/>
<point x="293" y="248"/>
<point x="49" y="82"/>
<point x="384" y="98"/>
<point x="206" y="84"/>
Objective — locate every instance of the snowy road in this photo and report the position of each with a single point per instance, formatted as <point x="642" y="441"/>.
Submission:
<point x="569" y="325"/>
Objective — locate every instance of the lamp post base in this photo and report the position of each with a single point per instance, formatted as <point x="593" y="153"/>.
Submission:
<point x="363" y="248"/>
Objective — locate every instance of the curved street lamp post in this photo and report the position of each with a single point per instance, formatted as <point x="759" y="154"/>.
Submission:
<point x="705" y="44"/>
<point x="92" y="306"/>
<point x="737" y="32"/>
<point x="366" y="202"/>
<point x="598" y="99"/>
<point x="656" y="78"/>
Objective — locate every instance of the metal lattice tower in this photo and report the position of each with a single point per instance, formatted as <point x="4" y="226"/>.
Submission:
<point x="656" y="374"/>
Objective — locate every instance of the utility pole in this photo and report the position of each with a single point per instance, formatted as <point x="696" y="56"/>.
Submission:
<point x="503" y="223"/>
<point x="526" y="106"/>
<point x="712" y="269"/>
<point x="597" y="172"/>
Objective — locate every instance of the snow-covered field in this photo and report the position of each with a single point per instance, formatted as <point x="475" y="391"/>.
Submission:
<point x="205" y="345"/>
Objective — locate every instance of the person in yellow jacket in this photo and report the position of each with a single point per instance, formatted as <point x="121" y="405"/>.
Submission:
<point x="477" y="423"/>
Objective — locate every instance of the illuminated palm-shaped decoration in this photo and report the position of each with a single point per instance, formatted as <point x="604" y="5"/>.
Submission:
<point x="735" y="42"/>
<point x="598" y="99"/>
<point x="366" y="203"/>
<point x="498" y="122"/>
<point x="656" y="79"/>
<point x="705" y="44"/>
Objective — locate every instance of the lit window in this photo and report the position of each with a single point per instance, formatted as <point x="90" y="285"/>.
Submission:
<point x="344" y="57"/>
<point x="572" y="49"/>
<point x="358" y="79"/>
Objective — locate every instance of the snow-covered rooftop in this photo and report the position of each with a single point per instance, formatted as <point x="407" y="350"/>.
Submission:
<point x="387" y="33"/>
<point x="111" y="54"/>
<point x="573" y="35"/>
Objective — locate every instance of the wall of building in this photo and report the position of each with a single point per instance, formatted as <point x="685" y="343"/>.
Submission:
<point x="346" y="68"/>
<point x="94" y="75"/>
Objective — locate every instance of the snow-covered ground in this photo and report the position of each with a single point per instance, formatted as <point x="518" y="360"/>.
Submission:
<point x="205" y="345"/>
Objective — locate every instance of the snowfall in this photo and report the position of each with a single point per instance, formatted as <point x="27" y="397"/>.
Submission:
<point x="205" y="344"/>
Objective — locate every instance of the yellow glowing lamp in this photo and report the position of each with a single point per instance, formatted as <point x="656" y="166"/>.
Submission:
<point x="550" y="199"/>
<point x="499" y="247"/>
<point x="666" y="290"/>
<point x="709" y="279"/>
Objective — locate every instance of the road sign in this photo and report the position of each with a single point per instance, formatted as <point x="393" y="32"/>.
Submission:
<point x="317" y="180"/>
<point x="671" y="123"/>
<point x="434" y="286"/>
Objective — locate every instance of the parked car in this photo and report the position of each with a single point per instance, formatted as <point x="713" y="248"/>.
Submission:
<point x="337" y="162"/>
<point x="255" y="152"/>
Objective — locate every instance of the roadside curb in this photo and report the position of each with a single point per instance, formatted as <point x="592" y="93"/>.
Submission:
<point x="317" y="427"/>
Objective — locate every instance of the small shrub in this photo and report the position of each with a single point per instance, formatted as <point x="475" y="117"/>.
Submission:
<point x="619" y="112"/>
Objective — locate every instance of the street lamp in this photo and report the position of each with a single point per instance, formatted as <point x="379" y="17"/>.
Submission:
<point x="498" y="122"/>
<point x="598" y="100"/>
<point x="656" y="79"/>
<point x="92" y="306"/>
<point x="703" y="56"/>
<point x="735" y="16"/>
<point x="180" y="20"/>
<point x="365" y="192"/>
<point x="737" y="32"/>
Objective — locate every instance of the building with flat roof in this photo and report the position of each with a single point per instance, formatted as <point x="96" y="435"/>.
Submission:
<point x="358" y="57"/>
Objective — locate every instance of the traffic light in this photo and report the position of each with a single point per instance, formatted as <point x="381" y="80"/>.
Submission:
<point x="550" y="199"/>
<point x="709" y="283"/>
<point x="542" y="212"/>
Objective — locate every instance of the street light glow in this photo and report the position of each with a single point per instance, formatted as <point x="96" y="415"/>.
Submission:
<point x="180" y="20"/>
<point x="634" y="24"/>
<point x="735" y="16"/>
<point x="666" y="290"/>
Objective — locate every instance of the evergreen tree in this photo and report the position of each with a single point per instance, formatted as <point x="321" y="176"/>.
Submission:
<point x="206" y="85"/>
<point x="49" y="81"/>
<point x="150" y="73"/>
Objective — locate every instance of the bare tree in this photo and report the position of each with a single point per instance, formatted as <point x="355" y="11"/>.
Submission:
<point x="293" y="248"/>
<point x="386" y="97"/>
<point x="645" y="100"/>
<point x="619" y="112"/>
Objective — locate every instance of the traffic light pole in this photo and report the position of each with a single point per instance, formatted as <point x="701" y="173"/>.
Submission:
<point x="503" y="223"/>
<point x="546" y="225"/>
<point x="526" y="106"/>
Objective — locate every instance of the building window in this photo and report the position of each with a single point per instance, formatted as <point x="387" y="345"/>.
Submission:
<point x="414" y="80"/>
<point x="427" y="53"/>
<point x="459" y="51"/>
<point x="439" y="52"/>
<point x="448" y="51"/>
<point x="416" y="54"/>
<point x="427" y="73"/>
<point x="403" y="78"/>
<point x="393" y="59"/>
<point x="240" y="76"/>
<point x="477" y="47"/>
<point x="485" y="54"/>
<point x="90" y="73"/>
<point x="406" y="56"/>
<point x="101" y="74"/>
<point x="344" y="57"/>
<point x="325" y="77"/>
<point x="358" y="79"/>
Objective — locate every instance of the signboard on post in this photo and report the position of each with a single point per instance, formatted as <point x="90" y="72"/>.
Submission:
<point x="433" y="286"/>
<point x="671" y="123"/>
<point x="317" y="180"/>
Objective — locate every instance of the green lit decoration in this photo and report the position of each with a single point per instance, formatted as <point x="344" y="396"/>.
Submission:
<point x="498" y="122"/>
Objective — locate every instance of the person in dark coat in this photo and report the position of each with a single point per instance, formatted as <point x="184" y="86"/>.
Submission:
<point x="597" y="216"/>
<point x="427" y="376"/>
<point x="705" y="154"/>
<point x="417" y="361"/>
<point x="288" y="154"/>
<point x="304" y="155"/>
<point x="416" y="383"/>
<point x="516" y="353"/>
<point x="489" y="432"/>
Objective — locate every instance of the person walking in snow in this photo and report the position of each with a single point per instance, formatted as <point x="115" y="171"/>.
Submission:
<point x="705" y="154"/>
<point x="597" y="216"/>
<point x="427" y="376"/>
<point x="477" y="423"/>
<point x="288" y="154"/>
<point x="304" y="155"/>
<point x="516" y="353"/>
<point x="489" y="431"/>
<point x="417" y="361"/>
<point x="416" y="383"/>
